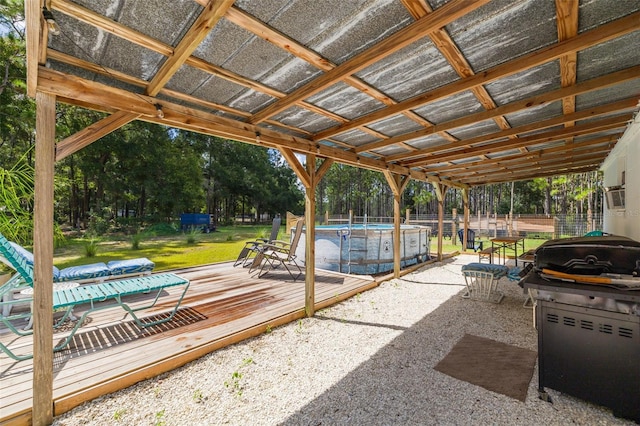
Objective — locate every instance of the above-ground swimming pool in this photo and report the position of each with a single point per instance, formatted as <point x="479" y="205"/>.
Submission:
<point x="366" y="249"/>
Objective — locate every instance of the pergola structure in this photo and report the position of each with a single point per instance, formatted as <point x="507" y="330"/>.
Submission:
<point x="457" y="93"/>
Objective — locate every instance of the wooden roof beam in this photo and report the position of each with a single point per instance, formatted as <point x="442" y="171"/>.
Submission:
<point x="105" y="98"/>
<point x="461" y="174"/>
<point x="539" y="174"/>
<point x="203" y="65"/>
<point x="571" y="161"/>
<point x="517" y="165"/>
<point x="609" y="140"/>
<point x="454" y="56"/>
<point x="567" y="17"/>
<point x="510" y="108"/>
<point x="275" y="37"/>
<point x="582" y="41"/>
<point x="36" y="34"/>
<point x="92" y="133"/>
<point x="112" y="27"/>
<point x="625" y="104"/>
<point x="535" y="172"/>
<point x="203" y="25"/>
<point x="617" y="122"/>
<point x="111" y="73"/>
<point x="441" y="17"/>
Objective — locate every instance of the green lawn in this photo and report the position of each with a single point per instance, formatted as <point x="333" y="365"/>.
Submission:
<point x="167" y="251"/>
<point x="176" y="251"/>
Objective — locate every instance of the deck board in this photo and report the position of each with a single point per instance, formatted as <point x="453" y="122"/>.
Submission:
<point x="222" y="306"/>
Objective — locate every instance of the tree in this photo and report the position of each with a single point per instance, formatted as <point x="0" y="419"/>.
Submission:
<point x="244" y="179"/>
<point x="17" y="110"/>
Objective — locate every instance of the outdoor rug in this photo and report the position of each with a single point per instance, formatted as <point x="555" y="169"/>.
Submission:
<point x="493" y="365"/>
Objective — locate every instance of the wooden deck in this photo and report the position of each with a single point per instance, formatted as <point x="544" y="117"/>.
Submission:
<point x="222" y="306"/>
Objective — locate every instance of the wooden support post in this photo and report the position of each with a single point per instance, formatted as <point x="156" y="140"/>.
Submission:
<point x="310" y="177"/>
<point x="454" y="231"/>
<point x="397" y="183"/>
<point x="441" y="190"/>
<point x="42" y="413"/>
<point x="36" y="35"/>
<point x="407" y="217"/>
<point x="397" y="255"/>
<point x="310" y="239"/>
<point x="465" y="204"/>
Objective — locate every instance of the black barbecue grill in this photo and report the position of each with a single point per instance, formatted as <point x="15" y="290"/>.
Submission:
<point x="588" y="319"/>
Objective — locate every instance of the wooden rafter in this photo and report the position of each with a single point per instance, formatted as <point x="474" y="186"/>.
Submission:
<point x="515" y="174"/>
<point x="521" y="105"/>
<point x="626" y="104"/>
<point x="35" y="33"/>
<point x="592" y="156"/>
<point x="587" y="39"/>
<point x="537" y="174"/>
<point x="112" y="27"/>
<point x="443" y="16"/>
<point x="534" y="172"/>
<point x="120" y="76"/>
<point x="102" y="97"/>
<point x="486" y="164"/>
<point x="211" y="14"/>
<point x="567" y="13"/>
<point x="254" y="85"/>
<point x="454" y="56"/>
<point x="262" y="30"/>
<point x="617" y="122"/>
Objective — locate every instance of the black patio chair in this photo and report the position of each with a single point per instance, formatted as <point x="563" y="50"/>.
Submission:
<point x="471" y="240"/>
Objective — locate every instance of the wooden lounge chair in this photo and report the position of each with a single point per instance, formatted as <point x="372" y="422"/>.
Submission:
<point x="100" y="296"/>
<point x="276" y="253"/>
<point x="250" y="248"/>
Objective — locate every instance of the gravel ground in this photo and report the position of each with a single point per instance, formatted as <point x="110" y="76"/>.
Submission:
<point x="366" y="361"/>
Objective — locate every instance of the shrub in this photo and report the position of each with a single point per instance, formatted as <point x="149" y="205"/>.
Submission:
<point x="135" y="241"/>
<point x="91" y="248"/>
<point x="192" y="235"/>
<point x="97" y="225"/>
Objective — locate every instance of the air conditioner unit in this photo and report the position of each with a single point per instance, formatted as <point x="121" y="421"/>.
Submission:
<point x="615" y="197"/>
